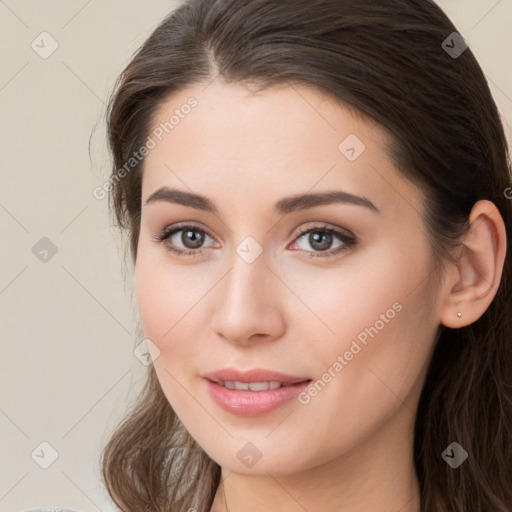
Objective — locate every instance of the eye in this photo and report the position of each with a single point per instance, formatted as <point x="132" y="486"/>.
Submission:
<point x="192" y="237"/>
<point x="321" y="238"/>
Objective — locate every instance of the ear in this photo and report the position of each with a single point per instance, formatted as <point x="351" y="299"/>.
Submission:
<point x="471" y="285"/>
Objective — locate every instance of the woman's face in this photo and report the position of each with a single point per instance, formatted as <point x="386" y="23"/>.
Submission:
<point x="263" y="285"/>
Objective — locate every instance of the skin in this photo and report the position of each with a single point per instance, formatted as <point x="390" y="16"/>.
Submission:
<point x="350" y="447"/>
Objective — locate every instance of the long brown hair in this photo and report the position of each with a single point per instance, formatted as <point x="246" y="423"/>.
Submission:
<point x="388" y="60"/>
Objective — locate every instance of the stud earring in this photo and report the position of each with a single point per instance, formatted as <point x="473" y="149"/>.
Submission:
<point x="459" y="314"/>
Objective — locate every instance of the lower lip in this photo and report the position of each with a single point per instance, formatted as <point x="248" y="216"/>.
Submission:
<point x="253" y="403"/>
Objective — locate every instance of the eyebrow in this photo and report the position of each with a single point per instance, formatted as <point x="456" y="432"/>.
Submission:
<point x="283" y="206"/>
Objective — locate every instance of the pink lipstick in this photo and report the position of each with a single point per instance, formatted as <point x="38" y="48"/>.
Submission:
<point x="254" y="392"/>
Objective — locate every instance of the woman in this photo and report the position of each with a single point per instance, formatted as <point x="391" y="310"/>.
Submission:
<point x="317" y="199"/>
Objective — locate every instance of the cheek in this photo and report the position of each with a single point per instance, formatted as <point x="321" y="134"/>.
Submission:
<point x="149" y="291"/>
<point x="159" y="298"/>
<point x="381" y="325"/>
<point x="163" y="307"/>
<point x="367" y="288"/>
<point x="168" y="298"/>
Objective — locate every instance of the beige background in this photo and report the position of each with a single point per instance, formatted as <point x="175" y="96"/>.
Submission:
<point x="67" y="325"/>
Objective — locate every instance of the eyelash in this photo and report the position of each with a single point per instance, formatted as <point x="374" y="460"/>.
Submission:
<point x="348" y="241"/>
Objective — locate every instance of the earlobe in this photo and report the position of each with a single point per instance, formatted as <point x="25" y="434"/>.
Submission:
<point x="475" y="280"/>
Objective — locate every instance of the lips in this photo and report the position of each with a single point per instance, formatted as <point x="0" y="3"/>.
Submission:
<point x="254" y="392"/>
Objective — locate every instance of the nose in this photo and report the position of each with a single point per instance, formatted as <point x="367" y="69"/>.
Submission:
<point x="248" y="307"/>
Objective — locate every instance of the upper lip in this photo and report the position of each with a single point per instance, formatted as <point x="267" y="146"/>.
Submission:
<point x="255" y="375"/>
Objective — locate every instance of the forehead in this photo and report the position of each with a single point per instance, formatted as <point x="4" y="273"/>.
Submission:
<point x="283" y="140"/>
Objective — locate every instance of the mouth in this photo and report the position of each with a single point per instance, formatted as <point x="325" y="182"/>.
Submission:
<point x="259" y="377"/>
<point x="253" y="386"/>
<point x="253" y="393"/>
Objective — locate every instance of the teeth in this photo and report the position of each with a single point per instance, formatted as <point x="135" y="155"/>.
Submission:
<point x="251" y="386"/>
